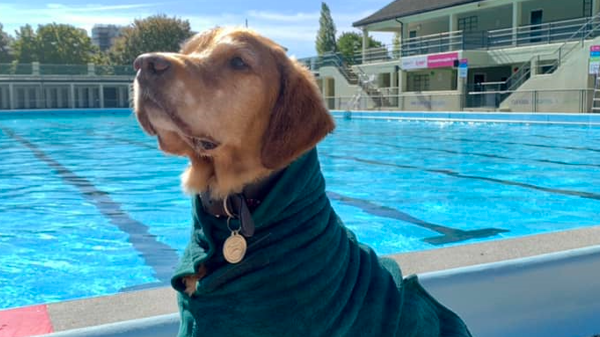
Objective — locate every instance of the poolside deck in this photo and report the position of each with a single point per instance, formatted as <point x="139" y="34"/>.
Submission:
<point x="154" y="302"/>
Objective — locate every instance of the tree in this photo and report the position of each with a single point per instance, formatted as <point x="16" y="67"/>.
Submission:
<point x="326" y="35"/>
<point x="53" y="44"/>
<point x="157" y="33"/>
<point x="64" y="44"/>
<point x="350" y="43"/>
<point x="5" y="44"/>
<point x="25" y="47"/>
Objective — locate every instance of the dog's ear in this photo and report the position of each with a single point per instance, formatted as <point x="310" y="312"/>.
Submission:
<point x="299" y="119"/>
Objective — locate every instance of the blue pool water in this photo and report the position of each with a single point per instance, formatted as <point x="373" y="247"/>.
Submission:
<point x="89" y="206"/>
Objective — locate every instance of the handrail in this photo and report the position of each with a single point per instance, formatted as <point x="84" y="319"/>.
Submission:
<point x="517" y="78"/>
<point x="562" y="24"/>
<point x="556" y="31"/>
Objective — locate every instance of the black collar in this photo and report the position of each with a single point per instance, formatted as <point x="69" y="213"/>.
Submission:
<point x="241" y="205"/>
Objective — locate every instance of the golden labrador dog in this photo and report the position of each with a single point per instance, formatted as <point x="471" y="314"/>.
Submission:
<point x="248" y="118"/>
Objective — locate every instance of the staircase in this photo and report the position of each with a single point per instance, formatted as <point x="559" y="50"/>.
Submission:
<point x="549" y="63"/>
<point x="356" y="77"/>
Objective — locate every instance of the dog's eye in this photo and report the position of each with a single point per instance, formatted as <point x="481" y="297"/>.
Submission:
<point x="238" y="64"/>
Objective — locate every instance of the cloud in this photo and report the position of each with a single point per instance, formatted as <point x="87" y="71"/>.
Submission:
<point x="90" y="7"/>
<point x="296" y="31"/>
<point x="280" y="17"/>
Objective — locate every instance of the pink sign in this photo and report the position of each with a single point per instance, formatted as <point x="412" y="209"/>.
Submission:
<point x="442" y="60"/>
<point x="594" y="48"/>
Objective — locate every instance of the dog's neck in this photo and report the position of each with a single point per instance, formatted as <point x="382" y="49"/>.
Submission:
<point x="253" y="194"/>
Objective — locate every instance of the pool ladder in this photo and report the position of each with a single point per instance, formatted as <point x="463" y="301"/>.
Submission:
<point x="595" y="98"/>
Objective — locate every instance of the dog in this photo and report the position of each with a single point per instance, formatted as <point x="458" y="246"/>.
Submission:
<point x="268" y="255"/>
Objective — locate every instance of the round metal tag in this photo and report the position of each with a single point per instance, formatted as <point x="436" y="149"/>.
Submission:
<point x="234" y="248"/>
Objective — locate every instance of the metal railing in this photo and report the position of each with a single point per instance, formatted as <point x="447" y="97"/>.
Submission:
<point x="434" y="43"/>
<point x="589" y="28"/>
<point x="563" y="101"/>
<point x="574" y="101"/>
<point x="546" y="33"/>
<point x="37" y="69"/>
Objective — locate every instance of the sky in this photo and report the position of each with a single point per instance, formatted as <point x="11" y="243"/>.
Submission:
<point x="293" y="24"/>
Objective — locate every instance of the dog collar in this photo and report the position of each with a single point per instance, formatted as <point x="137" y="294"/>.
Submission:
<point x="241" y="205"/>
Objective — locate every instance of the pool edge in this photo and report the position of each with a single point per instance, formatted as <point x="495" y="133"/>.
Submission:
<point x="131" y="306"/>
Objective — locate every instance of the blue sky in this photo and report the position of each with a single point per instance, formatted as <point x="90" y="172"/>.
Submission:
<point x="291" y="23"/>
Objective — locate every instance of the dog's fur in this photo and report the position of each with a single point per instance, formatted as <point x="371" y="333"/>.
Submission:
<point x="262" y="113"/>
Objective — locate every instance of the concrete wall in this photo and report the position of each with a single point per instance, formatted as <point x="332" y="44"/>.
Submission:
<point x="572" y="75"/>
<point x="439" y="25"/>
<point x="430" y="101"/>
<point x="341" y="86"/>
<point x="506" y="56"/>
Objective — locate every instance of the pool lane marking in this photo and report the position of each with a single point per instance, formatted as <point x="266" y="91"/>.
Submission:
<point x="586" y="195"/>
<point x="448" y="234"/>
<point x="478" y="154"/>
<point x="415" y="135"/>
<point x="161" y="257"/>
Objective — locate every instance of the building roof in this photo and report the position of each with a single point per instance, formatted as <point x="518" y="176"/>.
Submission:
<point x="402" y="8"/>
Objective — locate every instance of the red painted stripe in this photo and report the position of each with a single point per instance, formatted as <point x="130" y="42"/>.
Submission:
<point x="25" y="322"/>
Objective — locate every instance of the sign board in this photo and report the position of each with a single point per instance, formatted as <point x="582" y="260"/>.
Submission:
<point x="594" y="68"/>
<point x="463" y="68"/>
<point x="414" y="62"/>
<point x="445" y="60"/>
<point x="594" y="60"/>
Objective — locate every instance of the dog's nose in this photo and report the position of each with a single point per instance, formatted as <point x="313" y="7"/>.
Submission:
<point x="151" y="63"/>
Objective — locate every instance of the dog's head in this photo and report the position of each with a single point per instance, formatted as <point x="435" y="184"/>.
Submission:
<point x="234" y="103"/>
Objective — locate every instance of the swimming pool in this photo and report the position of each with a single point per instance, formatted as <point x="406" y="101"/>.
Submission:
<point x="89" y="206"/>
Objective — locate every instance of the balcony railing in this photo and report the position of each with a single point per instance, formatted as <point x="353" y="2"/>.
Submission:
<point x="551" y="32"/>
<point x="430" y="44"/>
<point x="545" y="33"/>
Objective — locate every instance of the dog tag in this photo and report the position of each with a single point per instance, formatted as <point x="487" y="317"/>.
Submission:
<point x="234" y="248"/>
<point x="242" y="212"/>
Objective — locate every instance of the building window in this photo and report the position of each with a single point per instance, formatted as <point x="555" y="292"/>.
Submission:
<point x="468" y="24"/>
<point x="420" y="82"/>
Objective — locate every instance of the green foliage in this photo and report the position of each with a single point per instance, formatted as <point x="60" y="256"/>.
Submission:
<point x="64" y="44"/>
<point x="157" y="33"/>
<point x="350" y="43"/>
<point x="5" y="44"/>
<point x="53" y="44"/>
<point x="326" y="35"/>
<point x="25" y="47"/>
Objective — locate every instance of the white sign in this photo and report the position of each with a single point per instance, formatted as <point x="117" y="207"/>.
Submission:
<point x="463" y="72"/>
<point x="414" y="62"/>
<point x="594" y="68"/>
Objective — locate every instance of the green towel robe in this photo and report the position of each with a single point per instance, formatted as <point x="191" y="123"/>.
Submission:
<point x="304" y="274"/>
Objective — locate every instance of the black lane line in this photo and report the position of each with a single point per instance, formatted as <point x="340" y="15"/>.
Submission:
<point x="580" y="194"/>
<point x="477" y="154"/>
<point x="448" y="234"/>
<point x="161" y="257"/>
<point x="440" y="139"/>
